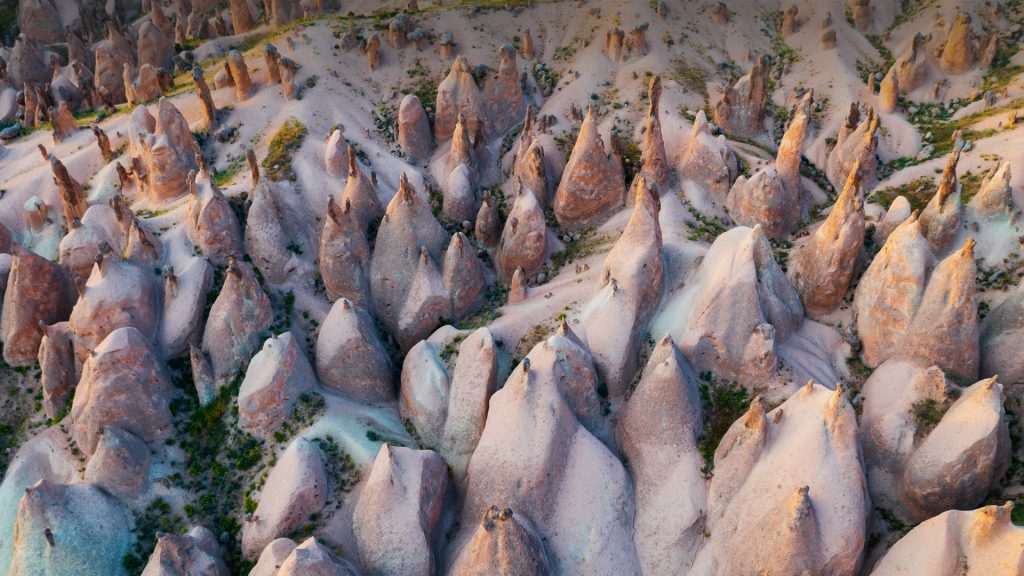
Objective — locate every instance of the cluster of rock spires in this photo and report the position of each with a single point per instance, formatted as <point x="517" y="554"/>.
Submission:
<point x="585" y="455"/>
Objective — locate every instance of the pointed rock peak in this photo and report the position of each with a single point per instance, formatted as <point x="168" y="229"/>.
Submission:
<point x="754" y="418"/>
<point x="808" y="388"/>
<point x="800" y="504"/>
<point x="425" y="256"/>
<point x="507" y="55"/>
<point x="988" y="520"/>
<point x="653" y="96"/>
<point x="405" y="193"/>
<point x="645" y="195"/>
<point x="853" y="118"/>
<point x="517" y="290"/>
<point x="995" y="194"/>
<point x="700" y="125"/>
<point x="967" y="251"/>
<point x="353" y="168"/>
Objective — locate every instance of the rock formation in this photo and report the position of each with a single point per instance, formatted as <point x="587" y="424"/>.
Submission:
<point x="166" y="154"/>
<point x="592" y="186"/>
<point x="57" y="367"/>
<point x="540" y="402"/>
<point x="276" y="377"/>
<point x="889" y="91"/>
<point x="488" y="228"/>
<point x="184" y="301"/>
<point x="194" y="554"/>
<point x="504" y="543"/>
<point x="345" y="256"/>
<point x="960" y="52"/>
<point x="154" y="47"/>
<point x="240" y="75"/>
<point x="408" y="226"/>
<point x="37" y="290"/>
<point x="350" y="357"/>
<point x="141" y="86"/>
<point x="890" y="291"/>
<point x="124" y="385"/>
<point x="269" y="233"/>
<point x="414" y="136"/>
<point x="1002" y="333"/>
<point x="743" y="308"/>
<point x="396" y="517"/>
<point x="664" y="461"/>
<point x="920" y="466"/>
<point x="530" y="170"/>
<point x="212" y="225"/>
<point x="464" y="277"/>
<point x="995" y="197"/>
<point x="741" y="111"/>
<point x="523" y="241"/>
<point x="940" y="219"/>
<point x="945" y="327"/>
<point x="504" y="101"/>
<point x="856" y="144"/>
<point x="336" y="154"/>
<point x="823" y="267"/>
<point x="707" y="160"/>
<point x="628" y="292"/>
<point x="111" y="56"/>
<point x="205" y="98"/>
<point x="296" y="487"/>
<point x="808" y="522"/>
<point x="654" y="161"/>
<point x="911" y="66"/>
<point x="69" y="529"/>
<point x="72" y="199"/>
<point x="242" y="20"/>
<point x="238" y="317"/>
<point x="458" y="94"/>
<point x="120" y="464"/>
<point x="361" y="193"/>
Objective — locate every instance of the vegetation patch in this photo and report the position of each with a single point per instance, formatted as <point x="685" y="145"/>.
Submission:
<point x="707" y="228"/>
<point x="156" y="518"/>
<point x="724" y="402"/>
<point x="917" y="192"/>
<point x="928" y="413"/>
<point x="283" y="146"/>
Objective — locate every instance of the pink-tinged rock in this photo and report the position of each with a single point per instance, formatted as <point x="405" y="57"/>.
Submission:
<point x="111" y="56"/>
<point x="654" y="161"/>
<point x="824" y="266"/>
<point x="273" y="557"/>
<point x="503" y="95"/>
<point x="312" y="558"/>
<point x="960" y="52"/>
<point x="237" y="320"/>
<point x="408" y="226"/>
<point x="741" y="111"/>
<point x="156" y="48"/>
<point x="212" y="225"/>
<point x="397" y="514"/>
<point x="266" y="235"/>
<point x="194" y="554"/>
<point x="458" y="94"/>
<point x="414" y="137"/>
<point x="336" y="154"/>
<point x="120" y="464"/>
<point x="57" y="367"/>
<point x="628" y="291"/>
<point x="790" y="481"/>
<point x="277" y="376"/>
<point x="423" y="398"/>
<point x="970" y="542"/>
<point x="487" y="229"/>
<point x="295" y="488"/>
<point x="535" y="457"/>
<point x="167" y="154"/>
<point x="88" y="529"/>
<point x="427" y="304"/>
<point x="995" y="196"/>
<point x="657" y="432"/>
<point x="856" y="145"/>
<point x="707" y="160"/>
<point x="890" y="291"/>
<point x="505" y="543"/>
<point x="350" y="357"/>
<point x="912" y="65"/>
<point x="523" y="241"/>
<point x="463" y="275"/>
<point x="897" y="213"/>
<point x="118" y="294"/>
<point x="78" y="248"/>
<point x="123" y="384"/>
<point x="743" y="307"/>
<point x="361" y="193"/>
<point x="945" y="327"/>
<point x="764" y="200"/>
<point x="142" y="246"/>
<point x="37" y="291"/>
<point x="531" y="172"/>
<point x="592" y="186"/>
<point x="1002" y="335"/>
<point x="940" y="219"/>
<point x="473" y="381"/>
<point x="239" y="75"/>
<point x="345" y="256"/>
